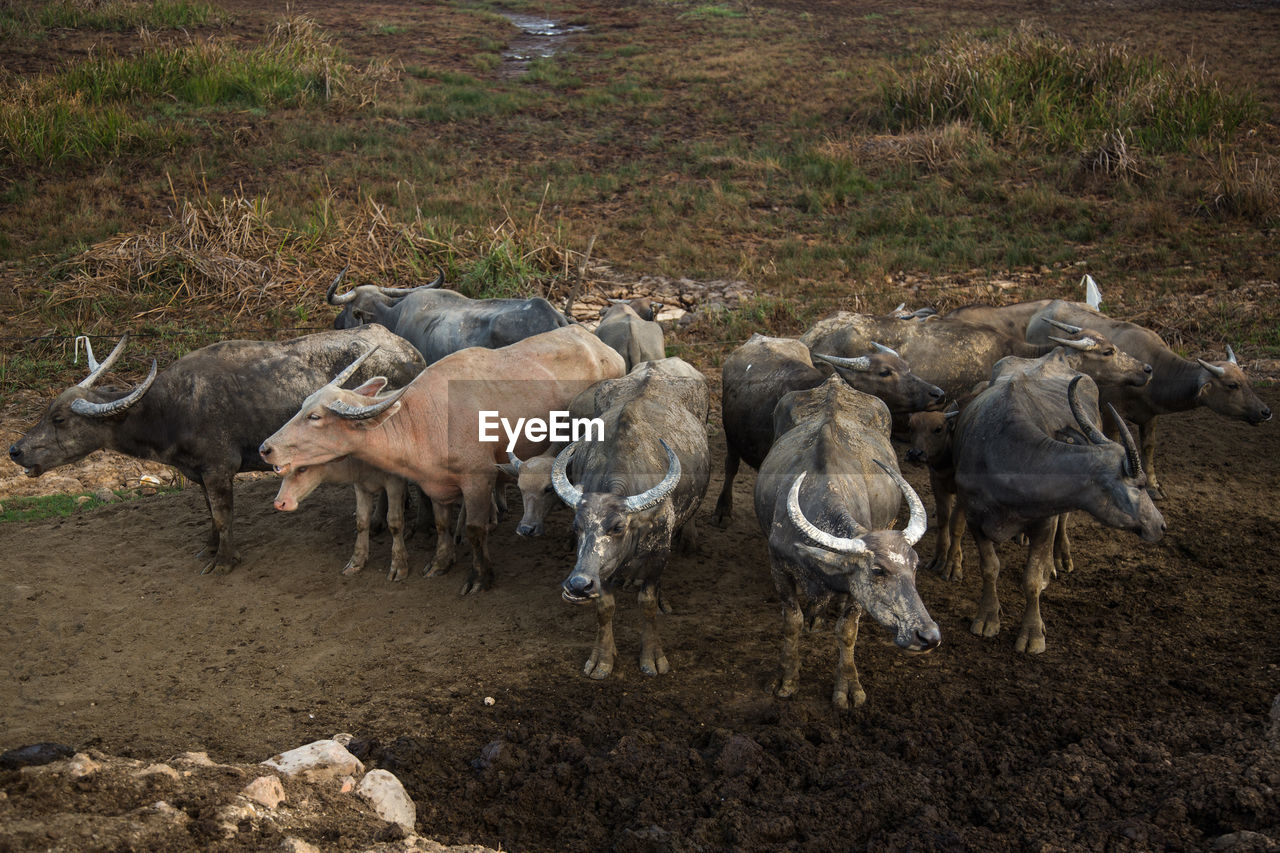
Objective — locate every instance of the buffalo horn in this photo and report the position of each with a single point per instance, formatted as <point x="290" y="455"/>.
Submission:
<point x="838" y="544"/>
<point x="884" y="349"/>
<point x="1084" y="344"/>
<point x="95" y="369"/>
<point x="569" y="493"/>
<point x="861" y="363"/>
<point x="405" y="291"/>
<point x="918" y="522"/>
<point x="331" y="295"/>
<point x="515" y="461"/>
<point x="103" y="410"/>
<point x="1213" y="368"/>
<point x="1066" y="327"/>
<point x="1091" y="432"/>
<point x="350" y="412"/>
<point x="656" y="495"/>
<point x="1133" y="460"/>
<point x="351" y="368"/>
<point x="1231" y="356"/>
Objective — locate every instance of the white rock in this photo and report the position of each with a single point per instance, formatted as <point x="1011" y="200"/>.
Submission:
<point x="158" y="770"/>
<point x="344" y="738"/>
<point x="265" y="790"/>
<point x="81" y="764"/>
<point x="323" y="759"/>
<point x="388" y="798"/>
<point x="297" y="845"/>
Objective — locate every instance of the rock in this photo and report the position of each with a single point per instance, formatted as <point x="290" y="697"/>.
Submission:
<point x="230" y="816"/>
<point x="159" y="770"/>
<point x="266" y="791"/>
<point x="318" y="761"/>
<point x="344" y="738"/>
<point x="297" y="845"/>
<point x="1244" y="840"/>
<point x="81" y="765"/>
<point x="106" y="496"/>
<point x="348" y="785"/>
<point x="178" y="816"/>
<point x="388" y="798"/>
<point x="199" y="759"/>
<point x="34" y="755"/>
<point x="83" y="499"/>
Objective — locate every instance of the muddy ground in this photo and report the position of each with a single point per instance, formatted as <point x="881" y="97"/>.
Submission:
<point x="1144" y="726"/>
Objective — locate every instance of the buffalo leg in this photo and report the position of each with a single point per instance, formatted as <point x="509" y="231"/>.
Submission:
<point x="442" y="562"/>
<point x="652" y="660"/>
<point x="945" y="504"/>
<point x="724" y="503"/>
<point x="600" y="664"/>
<point x="848" y="688"/>
<point x="1147" y="437"/>
<point x="1034" y="580"/>
<point x="792" y="623"/>
<point x="395" y="523"/>
<point x="953" y="568"/>
<point x="987" y="622"/>
<point x="1062" y="562"/>
<point x="478" y="504"/>
<point x="366" y="505"/>
<point x="218" y="495"/>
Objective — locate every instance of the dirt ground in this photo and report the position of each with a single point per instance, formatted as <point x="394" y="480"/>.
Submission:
<point x="1144" y="726"/>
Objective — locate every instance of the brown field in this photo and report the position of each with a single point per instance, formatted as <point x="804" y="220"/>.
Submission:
<point x="1145" y="726"/>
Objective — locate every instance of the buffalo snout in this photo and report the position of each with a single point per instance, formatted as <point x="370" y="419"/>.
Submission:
<point x="530" y="530"/>
<point x="579" y="588"/>
<point x="264" y="450"/>
<point x="14" y="452"/>
<point x="915" y="454"/>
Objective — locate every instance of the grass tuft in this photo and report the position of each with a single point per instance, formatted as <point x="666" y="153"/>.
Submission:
<point x="1249" y="190"/>
<point x="1028" y="88"/>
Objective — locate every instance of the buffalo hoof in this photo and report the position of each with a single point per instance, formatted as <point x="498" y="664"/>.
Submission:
<point x="398" y="572"/>
<point x="352" y="567"/>
<point x="843" y="700"/>
<point x="1063" y="565"/>
<point x="987" y="626"/>
<point x="953" y="568"/>
<point x="475" y="583"/>
<point x="785" y="688"/>
<point x="665" y="606"/>
<point x="1156" y="491"/>
<point x="1032" y="644"/>
<point x="437" y="568"/>
<point x="220" y="564"/>
<point x="599" y="665"/>
<point x="655" y="666"/>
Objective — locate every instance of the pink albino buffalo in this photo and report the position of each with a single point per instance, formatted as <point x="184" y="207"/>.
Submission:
<point x="429" y="431"/>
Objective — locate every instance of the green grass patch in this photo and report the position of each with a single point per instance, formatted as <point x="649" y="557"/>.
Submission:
<point x="121" y="15"/>
<point x="61" y="506"/>
<point x="1037" y="89"/>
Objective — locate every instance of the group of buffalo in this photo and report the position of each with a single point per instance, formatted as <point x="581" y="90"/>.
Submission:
<point x="1004" y="404"/>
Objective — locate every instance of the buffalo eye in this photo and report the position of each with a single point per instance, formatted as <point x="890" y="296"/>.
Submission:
<point x="1109" y="352"/>
<point x="878" y="571"/>
<point x="618" y="528"/>
<point x="58" y="420"/>
<point x="937" y="430"/>
<point x="886" y="372"/>
<point x="314" y="416"/>
<point x="1234" y="386"/>
<point x="303" y="468"/>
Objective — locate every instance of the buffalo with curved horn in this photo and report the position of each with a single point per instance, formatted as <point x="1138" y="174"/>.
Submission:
<point x="638" y="490"/>
<point x="831" y="546"/>
<point x="206" y="413"/>
<point x="438" y="321"/>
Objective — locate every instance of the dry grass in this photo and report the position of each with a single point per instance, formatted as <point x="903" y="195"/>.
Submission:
<point x="930" y="147"/>
<point x="1248" y="189"/>
<point x="1115" y="157"/>
<point x="230" y="255"/>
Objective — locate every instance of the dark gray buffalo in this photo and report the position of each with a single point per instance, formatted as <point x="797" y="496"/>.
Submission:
<point x="950" y="353"/>
<point x="1177" y="384"/>
<point x="759" y="372"/>
<point x="826" y="498"/>
<point x="533" y="476"/>
<point x="1026" y="450"/>
<point x="207" y="412"/>
<point x="440" y="322"/>
<point x="636" y="490"/>
<point x="636" y="339"/>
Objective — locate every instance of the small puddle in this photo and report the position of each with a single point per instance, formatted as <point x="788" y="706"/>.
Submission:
<point x="538" y="39"/>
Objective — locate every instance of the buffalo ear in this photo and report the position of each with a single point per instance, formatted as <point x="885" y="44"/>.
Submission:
<point x="834" y="569"/>
<point x="371" y="387"/>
